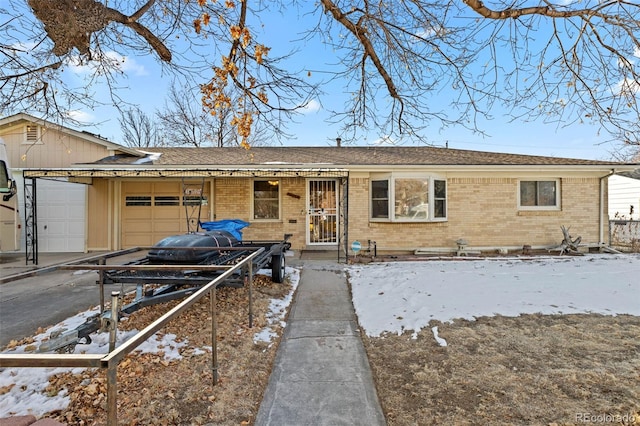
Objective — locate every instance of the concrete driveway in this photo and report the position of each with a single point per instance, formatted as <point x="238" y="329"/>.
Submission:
<point x="45" y="300"/>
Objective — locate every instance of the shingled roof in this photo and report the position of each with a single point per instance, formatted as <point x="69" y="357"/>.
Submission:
<point x="343" y="157"/>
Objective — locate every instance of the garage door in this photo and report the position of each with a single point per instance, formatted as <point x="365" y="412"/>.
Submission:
<point x="154" y="210"/>
<point x="61" y="216"/>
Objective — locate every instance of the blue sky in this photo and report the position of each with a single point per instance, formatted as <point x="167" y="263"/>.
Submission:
<point x="148" y="89"/>
<point x="145" y="84"/>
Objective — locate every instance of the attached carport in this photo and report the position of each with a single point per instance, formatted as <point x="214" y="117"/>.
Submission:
<point x="150" y="203"/>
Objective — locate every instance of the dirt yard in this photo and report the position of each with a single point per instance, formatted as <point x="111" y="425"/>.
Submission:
<point x="529" y="370"/>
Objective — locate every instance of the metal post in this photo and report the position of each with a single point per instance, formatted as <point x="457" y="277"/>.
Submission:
<point x="30" y="221"/>
<point x="112" y="394"/>
<point x="250" y="279"/>
<point x="214" y="337"/>
<point x="101" y="261"/>
<point x="113" y="321"/>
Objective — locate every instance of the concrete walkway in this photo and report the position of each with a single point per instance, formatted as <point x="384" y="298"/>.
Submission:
<point x="321" y="374"/>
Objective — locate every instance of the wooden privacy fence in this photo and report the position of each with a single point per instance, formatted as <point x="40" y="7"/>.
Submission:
<point x="625" y="235"/>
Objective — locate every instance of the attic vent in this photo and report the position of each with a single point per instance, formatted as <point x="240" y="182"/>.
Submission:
<point x="32" y="134"/>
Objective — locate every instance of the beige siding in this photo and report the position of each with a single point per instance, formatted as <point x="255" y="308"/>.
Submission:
<point x="232" y="200"/>
<point x="53" y="149"/>
<point x="98" y="220"/>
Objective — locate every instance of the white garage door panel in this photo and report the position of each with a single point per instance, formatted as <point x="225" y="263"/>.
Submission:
<point x="54" y="212"/>
<point x="61" y="216"/>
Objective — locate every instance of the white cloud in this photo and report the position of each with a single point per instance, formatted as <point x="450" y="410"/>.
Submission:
<point x="81" y="116"/>
<point x="628" y="86"/>
<point x="385" y="140"/>
<point x="129" y="65"/>
<point x="24" y="46"/>
<point x="126" y="64"/>
<point x="311" y="107"/>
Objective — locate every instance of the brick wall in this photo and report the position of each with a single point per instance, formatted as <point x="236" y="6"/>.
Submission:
<point x="233" y="201"/>
<point x="483" y="211"/>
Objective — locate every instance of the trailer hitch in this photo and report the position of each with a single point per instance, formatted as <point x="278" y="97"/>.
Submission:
<point x="65" y="341"/>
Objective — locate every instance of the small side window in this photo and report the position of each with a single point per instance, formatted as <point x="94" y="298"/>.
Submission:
<point x="380" y="199"/>
<point x="439" y="198"/>
<point x="539" y="194"/>
<point x="137" y="200"/>
<point x="166" y="200"/>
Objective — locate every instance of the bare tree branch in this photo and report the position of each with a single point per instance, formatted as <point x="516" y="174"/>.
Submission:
<point x="71" y="23"/>
<point x="138" y="129"/>
<point x="407" y="67"/>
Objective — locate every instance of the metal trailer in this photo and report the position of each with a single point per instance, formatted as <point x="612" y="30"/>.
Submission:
<point x="174" y="268"/>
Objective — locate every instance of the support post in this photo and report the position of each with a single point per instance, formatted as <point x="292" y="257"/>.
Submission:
<point x="112" y="394"/>
<point x="101" y="261"/>
<point x="214" y="337"/>
<point x="249" y="278"/>
<point x="113" y="321"/>
<point x="30" y="221"/>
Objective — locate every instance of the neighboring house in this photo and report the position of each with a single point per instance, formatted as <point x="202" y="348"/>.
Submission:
<point x="403" y="198"/>
<point x="61" y="206"/>
<point x="624" y="195"/>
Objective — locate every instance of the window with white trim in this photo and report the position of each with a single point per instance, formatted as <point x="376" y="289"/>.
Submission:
<point x="266" y="199"/>
<point x="408" y="198"/>
<point x="539" y="194"/>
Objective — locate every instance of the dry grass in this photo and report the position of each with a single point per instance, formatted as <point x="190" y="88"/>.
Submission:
<point x="533" y="370"/>
<point x="152" y="391"/>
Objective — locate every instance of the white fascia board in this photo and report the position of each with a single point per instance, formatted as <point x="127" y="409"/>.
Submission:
<point x="557" y="168"/>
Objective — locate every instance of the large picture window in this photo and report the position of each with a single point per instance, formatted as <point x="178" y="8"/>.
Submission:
<point x="408" y="198"/>
<point x="539" y="194"/>
<point x="266" y="199"/>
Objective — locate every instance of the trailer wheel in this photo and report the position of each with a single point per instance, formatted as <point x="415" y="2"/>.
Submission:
<point x="277" y="268"/>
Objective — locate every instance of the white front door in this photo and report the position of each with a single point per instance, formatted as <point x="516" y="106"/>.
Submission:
<point x="322" y="212"/>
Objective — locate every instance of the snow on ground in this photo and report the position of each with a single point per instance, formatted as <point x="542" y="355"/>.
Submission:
<point x="22" y="389"/>
<point x="393" y="297"/>
<point x="278" y="308"/>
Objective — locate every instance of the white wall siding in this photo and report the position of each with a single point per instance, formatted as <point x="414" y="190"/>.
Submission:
<point x="624" y="192"/>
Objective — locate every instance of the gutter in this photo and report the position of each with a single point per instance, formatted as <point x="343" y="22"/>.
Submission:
<point x="602" y="213"/>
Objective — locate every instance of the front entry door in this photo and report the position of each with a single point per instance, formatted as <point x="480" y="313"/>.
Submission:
<point x="322" y="212"/>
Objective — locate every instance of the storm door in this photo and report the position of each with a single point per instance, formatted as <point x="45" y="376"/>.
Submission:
<point x="322" y="212"/>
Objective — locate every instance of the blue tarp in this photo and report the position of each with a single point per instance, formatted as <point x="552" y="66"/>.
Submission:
<point x="233" y="226"/>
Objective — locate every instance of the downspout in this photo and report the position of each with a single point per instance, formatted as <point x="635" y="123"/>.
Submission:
<point x="602" y="213"/>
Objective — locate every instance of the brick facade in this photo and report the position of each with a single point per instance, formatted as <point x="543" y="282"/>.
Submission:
<point x="233" y="201"/>
<point x="481" y="210"/>
<point x="484" y="211"/>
